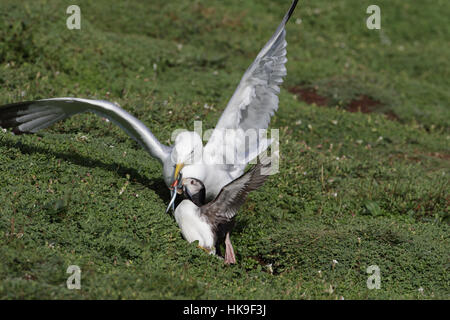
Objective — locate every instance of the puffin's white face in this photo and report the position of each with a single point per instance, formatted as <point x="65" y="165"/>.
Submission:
<point x="188" y="149"/>
<point x="192" y="185"/>
<point x="194" y="190"/>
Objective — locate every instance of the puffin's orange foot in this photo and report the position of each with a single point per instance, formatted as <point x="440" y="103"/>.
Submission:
<point x="229" y="252"/>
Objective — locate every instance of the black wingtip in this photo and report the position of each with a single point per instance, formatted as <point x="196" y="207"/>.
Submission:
<point x="17" y="131"/>
<point x="8" y="115"/>
<point x="291" y="10"/>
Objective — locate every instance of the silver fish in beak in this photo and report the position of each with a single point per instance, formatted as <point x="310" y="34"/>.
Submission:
<point x="173" y="193"/>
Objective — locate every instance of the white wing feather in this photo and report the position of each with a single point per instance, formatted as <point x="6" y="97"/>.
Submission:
<point x="253" y="103"/>
<point x="32" y="116"/>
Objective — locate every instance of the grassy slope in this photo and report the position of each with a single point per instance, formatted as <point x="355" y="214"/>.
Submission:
<point x="342" y="193"/>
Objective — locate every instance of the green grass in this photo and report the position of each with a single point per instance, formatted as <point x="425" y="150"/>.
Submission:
<point x="357" y="188"/>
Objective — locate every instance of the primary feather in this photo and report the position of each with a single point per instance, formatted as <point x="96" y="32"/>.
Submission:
<point x="254" y="101"/>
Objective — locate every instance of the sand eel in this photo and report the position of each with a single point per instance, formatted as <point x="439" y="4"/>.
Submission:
<point x="251" y="107"/>
<point x="211" y="224"/>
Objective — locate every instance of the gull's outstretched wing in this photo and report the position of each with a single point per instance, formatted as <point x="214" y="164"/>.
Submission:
<point x="255" y="99"/>
<point x="227" y="203"/>
<point x="32" y="116"/>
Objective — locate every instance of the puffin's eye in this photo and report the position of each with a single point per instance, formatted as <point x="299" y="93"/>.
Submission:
<point x="192" y="181"/>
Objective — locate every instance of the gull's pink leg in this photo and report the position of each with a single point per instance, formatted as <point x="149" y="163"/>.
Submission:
<point x="229" y="252"/>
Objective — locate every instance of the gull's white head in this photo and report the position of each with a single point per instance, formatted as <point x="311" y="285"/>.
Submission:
<point x="187" y="150"/>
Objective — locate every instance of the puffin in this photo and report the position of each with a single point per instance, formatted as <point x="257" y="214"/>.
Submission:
<point x="211" y="223"/>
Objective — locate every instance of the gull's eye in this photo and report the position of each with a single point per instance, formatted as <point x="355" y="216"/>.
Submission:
<point x="192" y="181"/>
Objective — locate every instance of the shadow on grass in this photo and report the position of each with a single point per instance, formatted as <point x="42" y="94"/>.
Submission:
<point x="156" y="185"/>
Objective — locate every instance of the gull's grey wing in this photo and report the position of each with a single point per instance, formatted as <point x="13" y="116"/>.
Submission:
<point x="227" y="203"/>
<point x="255" y="99"/>
<point x="32" y="116"/>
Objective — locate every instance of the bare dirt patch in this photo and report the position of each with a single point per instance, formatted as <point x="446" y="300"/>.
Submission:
<point x="363" y="103"/>
<point x="310" y="96"/>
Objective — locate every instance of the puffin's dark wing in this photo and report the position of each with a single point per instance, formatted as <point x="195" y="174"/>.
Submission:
<point x="227" y="203"/>
<point x="32" y="116"/>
